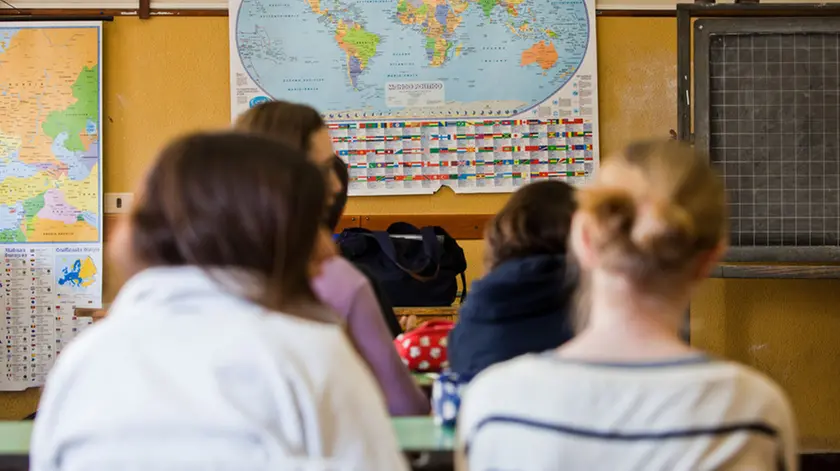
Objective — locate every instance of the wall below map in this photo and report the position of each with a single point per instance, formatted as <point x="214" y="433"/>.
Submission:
<point x="167" y="76"/>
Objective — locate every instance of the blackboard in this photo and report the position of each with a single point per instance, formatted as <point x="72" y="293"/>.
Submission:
<point x="767" y="111"/>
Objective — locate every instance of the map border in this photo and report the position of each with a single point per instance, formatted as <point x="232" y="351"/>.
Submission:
<point x="61" y="327"/>
<point x="589" y="33"/>
<point x="246" y="93"/>
<point x="75" y="25"/>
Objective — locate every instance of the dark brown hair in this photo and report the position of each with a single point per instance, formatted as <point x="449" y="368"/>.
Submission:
<point x="335" y="211"/>
<point x="227" y="201"/>
<point x="653" y="210"/>
<point x="535" y="221"/>
<point x="291" y="123"/>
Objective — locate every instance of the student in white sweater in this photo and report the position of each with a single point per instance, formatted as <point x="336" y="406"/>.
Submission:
<point x="626" y="393"/>
<point x="216" y="354"/>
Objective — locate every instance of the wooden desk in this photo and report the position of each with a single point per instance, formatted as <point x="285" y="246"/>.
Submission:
<point x="96" y="314"/>
<point x="423" y="314"/>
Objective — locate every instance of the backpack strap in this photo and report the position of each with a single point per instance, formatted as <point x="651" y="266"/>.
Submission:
<point x="431" y="253"/>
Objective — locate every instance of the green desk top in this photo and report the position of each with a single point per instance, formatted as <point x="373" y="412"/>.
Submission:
<point x="421" y="434"/>
<point x="14" y="437"/>
<point x="424" y="380"/>
<point x="413" y="433"/>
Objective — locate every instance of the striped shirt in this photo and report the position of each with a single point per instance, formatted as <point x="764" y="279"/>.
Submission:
<point x="541" y="412"/>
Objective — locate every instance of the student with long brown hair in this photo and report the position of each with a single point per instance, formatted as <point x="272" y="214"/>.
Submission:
<point x="217" y="354"/>
<point x="626" y="392"/>
<point x="340" y="285"/>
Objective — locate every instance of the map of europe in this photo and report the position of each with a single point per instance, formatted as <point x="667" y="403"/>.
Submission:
<point x="79" y="273"/>
<point x="49" y="134"/>
<point x="480" y="57"/>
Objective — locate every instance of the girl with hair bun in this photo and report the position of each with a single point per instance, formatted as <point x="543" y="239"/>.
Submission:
<point x="626" y="392"/>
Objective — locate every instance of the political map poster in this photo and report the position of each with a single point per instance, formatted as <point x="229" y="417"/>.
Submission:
<point x="482" y="96"/>
<point x="50" y="191"/>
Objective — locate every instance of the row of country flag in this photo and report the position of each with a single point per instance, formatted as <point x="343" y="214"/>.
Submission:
<point x="35" y="310"/>
<point x="472" y="176"/>
<point x="434" y="124"/>
<point x="468" y="163"/>
<point x="454" y="137"/>
<point x="465" y="150"/>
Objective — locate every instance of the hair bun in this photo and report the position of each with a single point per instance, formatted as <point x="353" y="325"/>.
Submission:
<point x="631" y="233"/>
<point x="613" y="209"/>
<point x="663" y="232"/>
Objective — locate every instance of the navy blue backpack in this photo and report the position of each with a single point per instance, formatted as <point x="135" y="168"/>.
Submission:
<point x="415" y="267"/>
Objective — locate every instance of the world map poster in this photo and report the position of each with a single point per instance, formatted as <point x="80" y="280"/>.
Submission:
<point x="50" y="191"/>
<point x="482" y="96"/>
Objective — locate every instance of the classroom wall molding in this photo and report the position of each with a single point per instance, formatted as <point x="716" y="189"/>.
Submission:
<point x="121" y="8"/>
<point x="642" y="8"/>
<point x="459" y="226"/>
<point x="175" y="7"/>
<point x="118" y="4"/>
<point x="470" y="227"/>
<point x="223" y="4"/>
<point x="146" y="8"/>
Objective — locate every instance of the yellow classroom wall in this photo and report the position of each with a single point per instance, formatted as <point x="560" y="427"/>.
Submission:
<point x="167" y="76"/>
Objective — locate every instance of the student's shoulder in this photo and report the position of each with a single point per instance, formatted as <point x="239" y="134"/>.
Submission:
<point x="319" y="328"/>
<point x="502" y="386"/>
<point x="751" y="395"/>
<point x="519" y="372"/>
<point x="340" y="275"/>
<point x="320" y="351"/>
<point x="317" y="341"/>
<point x="341" y="267"/>
<point x="366" y="272"/>
<point x="741" y="377"/>
<point x="757" y="385"/>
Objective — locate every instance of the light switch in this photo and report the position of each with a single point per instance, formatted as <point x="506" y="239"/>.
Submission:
<point x="116" y="203"/>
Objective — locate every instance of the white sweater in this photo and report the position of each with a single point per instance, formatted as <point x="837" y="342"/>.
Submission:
<point x="544" y="413"/>
<point x="182" y="375"/>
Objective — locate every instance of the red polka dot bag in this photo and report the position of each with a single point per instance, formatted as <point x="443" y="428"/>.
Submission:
<point x="424" y="349"/>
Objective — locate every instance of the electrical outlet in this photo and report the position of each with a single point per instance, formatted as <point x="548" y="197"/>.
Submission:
<point x="116" y="203"/>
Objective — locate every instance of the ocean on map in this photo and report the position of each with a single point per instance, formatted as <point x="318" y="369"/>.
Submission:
<point x="6" y="35"/>
<point x="292" y="53"/>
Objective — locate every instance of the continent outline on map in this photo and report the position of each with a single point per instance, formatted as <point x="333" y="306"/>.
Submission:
<point x="543" y="56"/>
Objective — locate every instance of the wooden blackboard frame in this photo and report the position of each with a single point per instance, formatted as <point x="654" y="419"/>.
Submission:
<point x="704" y="30"/>
<point x="686" y="12"/>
